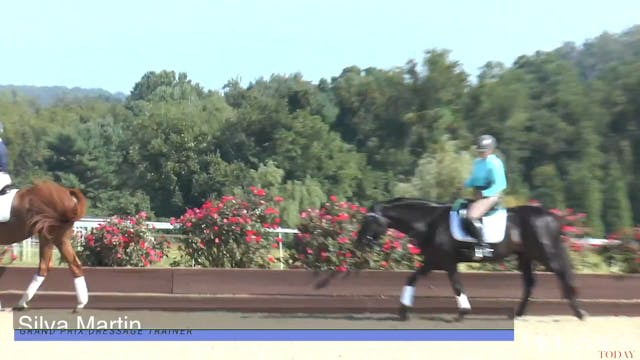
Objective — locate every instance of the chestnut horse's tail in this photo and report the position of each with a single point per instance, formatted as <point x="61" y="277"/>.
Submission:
<point x="52" y="208"/>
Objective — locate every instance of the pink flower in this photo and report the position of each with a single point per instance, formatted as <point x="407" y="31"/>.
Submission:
<point x="342" y="217"/>
<point x="413" y="250"/>
<point x="576" y="246"/>
<point x="387" y="246"/>
<point x="333" y="198"/>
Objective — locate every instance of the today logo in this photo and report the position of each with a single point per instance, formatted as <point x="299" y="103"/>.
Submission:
<point x="616" y="354"/>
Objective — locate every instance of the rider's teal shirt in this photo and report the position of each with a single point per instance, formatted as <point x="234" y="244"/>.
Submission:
<point x="488" y="175"/>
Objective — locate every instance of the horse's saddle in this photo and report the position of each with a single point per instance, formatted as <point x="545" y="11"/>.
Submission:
<point x="7" y="194"/>
<point x="494" y="222"/>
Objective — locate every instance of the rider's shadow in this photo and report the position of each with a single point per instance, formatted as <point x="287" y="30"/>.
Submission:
<point x="348" y="317"/>
<point x="325" y="278"/>
<point x="433" y="318"/>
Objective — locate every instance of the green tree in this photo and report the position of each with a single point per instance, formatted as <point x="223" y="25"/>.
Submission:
<point x="617" y="207"/>
<point x="548" y="187"/>
<point x="439" y="175"/>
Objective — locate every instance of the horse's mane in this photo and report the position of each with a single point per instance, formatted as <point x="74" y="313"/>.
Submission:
<point x="399" y="200"/>
<point x="408" y="201"/>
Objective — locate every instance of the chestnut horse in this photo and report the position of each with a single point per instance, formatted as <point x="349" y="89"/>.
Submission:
<point x="47" y="211"/>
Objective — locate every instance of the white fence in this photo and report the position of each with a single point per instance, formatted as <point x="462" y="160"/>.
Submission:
<point x="26" y="247"/>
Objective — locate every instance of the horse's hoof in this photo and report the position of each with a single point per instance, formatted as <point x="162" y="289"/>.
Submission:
<point x="581" y="314"/>
<point x="462" y="312"/>
<point x="403" y="313"/>
<point x="20" y="307"/>
<point x="78" y="309"/>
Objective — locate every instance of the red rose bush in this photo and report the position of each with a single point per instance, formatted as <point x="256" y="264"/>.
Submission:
<point x="121" y="241"/>
<point x="231" y="232"/>
<point x="326" y="242"/>
<point x="6" y="252"/>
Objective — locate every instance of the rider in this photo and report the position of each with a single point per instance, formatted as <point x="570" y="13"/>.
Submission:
<point x="489" y="181"/>
<point x="5" y="179"/>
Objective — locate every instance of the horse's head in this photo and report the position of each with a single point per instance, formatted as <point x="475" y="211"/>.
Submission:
<point x="408" y="215"/>
<point x="373" y="226"/>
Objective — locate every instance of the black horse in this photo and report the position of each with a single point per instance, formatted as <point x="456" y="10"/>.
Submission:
<point x="530" y="232"/>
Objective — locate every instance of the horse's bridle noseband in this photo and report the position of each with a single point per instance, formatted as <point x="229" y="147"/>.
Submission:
<point x="384" y="220"/>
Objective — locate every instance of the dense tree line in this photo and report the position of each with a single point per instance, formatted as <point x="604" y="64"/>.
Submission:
<point x="567" y="122"/>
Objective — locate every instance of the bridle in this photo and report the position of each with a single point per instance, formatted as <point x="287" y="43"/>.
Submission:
<point x="381" y="218"/>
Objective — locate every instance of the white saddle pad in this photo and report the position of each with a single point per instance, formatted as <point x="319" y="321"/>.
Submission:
<point x="6" y="201"/>
<point x="493" y="227"/>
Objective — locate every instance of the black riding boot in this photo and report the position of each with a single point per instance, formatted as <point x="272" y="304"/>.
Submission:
<point x="482" y="249"/>
<point x="474" y="227"/>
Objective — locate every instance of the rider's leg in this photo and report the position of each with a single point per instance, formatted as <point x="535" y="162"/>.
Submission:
<point x="475" y="212"/>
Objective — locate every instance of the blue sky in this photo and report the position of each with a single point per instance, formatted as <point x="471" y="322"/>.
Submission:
<point x="111" y="44"/>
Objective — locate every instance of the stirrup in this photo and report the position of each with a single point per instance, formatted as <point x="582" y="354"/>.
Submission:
<point x="483" y="250"/>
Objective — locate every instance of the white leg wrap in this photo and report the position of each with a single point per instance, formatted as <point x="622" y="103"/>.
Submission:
<point x="406" y="298"/>
<point x="81" y="291"/>
<point x="36" y="281"/>
<point x="463" y="302"/>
